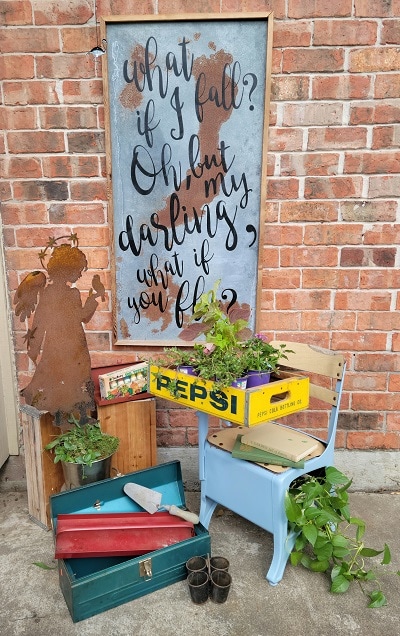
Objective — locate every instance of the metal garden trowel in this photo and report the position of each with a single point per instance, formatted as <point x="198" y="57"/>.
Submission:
<point x="150" y="500"/>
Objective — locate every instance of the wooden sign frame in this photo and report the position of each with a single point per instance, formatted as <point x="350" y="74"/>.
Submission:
<point x="187" y="104"/>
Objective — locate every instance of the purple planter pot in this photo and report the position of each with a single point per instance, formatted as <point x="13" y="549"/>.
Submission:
<point x="256" y="378"/>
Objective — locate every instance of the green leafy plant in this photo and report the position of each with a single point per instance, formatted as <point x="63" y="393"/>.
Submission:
<point x="82" y="444"/>
<point x="222" y="327"/>
<point x="260" y="355"/>
<point x="329" y="538"/>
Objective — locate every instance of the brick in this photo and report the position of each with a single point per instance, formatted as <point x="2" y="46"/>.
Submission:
<point x="396" y="342"/>
<point x="15" y="13"/>
<point x="341" y="87"/>
<point x="375" y="113"/>
<point x="282" y="188"/>
<point x="321" y="277"/>
<point x="292" y="33"/>
<point x="62" y="12"/>
<point x="372" y="162"/>
<point x="332" y="187"/>
<point x="387" y="86"/>
<point x="384" y="186"/>
<point x="390" y="32"/>
<point x="327" y="320"/>
<point x="309" y="257"/>
<point x="89" y="191"/>
<point x="358" y="341"/>
<point x="24" y="167"/>
<point x="309" y="164"/>
<point x="283" y="234"/>
<point x="281" y="279"/>
<point x="385" y="137"/>
<point x="26" y="238"/>
<point x="380" y="279"/>
<point x="360" y="421"/>
<point x="276" y="320"/>
<point x="24" y="213"/>
<point x="285" y="88"/>
<point x="270" y="257"/>
<point x="83" y="91"/>
<point x="285" y="139"/>
<point x="89" y="142"/>
<point x="374" y="60"/>
<point x="5" y="191"/>
<point x="14" y="67"/>
<point x="64" y="66"/>
<point x="337" y="137"/>
<point x="362" y="300"/>
<point x="393" y="422"/>
<point x="345" y="32"/>
<point x="333" y="234"/>
<point x="68" y="166"/>
<point x="319" y="8"/>
<point x="394" y="385"/>
<point x="76" y="212"/>
<point x="383" y="235"/>
<point x="30" y="92"/>
<point x="378" y="401"/>
<point x="14" y="118"/>
<point x="35" y="142"/>
<point x="377" y="8"/>
<point x="312" y="60"/>
<point x="314" y="114"/>
<point x="305" y="211"/>
<point x="368" y="211"/>
<point x="364" y="257"/>
<point x="303" y="299"/>
<point x="379" y="320"/>
<point x="76" y="40"/>
<point x="372" y="440"/>
<point x="366" y="382"/>
<point x="41" y="190"/>
<point x="44" y="41"/>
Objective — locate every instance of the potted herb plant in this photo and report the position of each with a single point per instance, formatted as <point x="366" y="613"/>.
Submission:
<point x="260" y="359"/>
<point x="329" y="539"/>
<point x="84" y="452"/>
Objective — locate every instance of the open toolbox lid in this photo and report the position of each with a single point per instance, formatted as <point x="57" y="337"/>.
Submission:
<point x="103" y="510"/>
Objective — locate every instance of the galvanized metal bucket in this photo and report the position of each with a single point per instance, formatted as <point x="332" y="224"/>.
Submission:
<point x="76" y="475"/>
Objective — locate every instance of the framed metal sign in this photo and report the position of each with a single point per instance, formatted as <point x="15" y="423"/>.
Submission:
<point x="187" y="100"/>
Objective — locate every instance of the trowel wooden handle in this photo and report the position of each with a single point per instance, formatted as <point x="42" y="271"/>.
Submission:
<point x="183" y="514"/>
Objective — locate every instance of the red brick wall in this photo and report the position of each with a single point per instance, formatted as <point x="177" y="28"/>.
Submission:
<point x="331" y="256"/>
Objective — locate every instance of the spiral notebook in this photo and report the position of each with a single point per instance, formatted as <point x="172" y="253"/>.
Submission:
<point x="281" y="440"/>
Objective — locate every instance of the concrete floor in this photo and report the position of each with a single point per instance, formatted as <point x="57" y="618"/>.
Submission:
<point x="31" y="603"/>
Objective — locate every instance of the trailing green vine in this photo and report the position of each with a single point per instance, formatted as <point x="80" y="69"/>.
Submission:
<point x="329" y="539"/>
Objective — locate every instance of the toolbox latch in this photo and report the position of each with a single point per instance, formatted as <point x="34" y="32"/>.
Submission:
<point x="145" y="569"/>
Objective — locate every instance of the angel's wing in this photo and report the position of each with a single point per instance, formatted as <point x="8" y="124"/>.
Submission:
<point x="27" y="294"/>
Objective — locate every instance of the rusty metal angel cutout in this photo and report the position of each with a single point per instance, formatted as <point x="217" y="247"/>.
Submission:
<point x="56" y="340"/>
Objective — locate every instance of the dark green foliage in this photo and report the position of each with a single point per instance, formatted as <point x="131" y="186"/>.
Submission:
<point x="329" y="538"/>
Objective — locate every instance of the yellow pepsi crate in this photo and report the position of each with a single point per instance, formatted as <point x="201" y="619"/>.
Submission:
<point x="247" y="407"/>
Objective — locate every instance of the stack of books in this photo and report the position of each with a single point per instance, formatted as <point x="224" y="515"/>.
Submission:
<point x="272" y="443"/>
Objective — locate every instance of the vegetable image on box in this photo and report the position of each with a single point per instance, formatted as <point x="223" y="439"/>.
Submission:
<point x="150" y="500"/>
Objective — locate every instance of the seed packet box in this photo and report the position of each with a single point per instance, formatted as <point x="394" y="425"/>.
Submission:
<point x="93" y="585"/>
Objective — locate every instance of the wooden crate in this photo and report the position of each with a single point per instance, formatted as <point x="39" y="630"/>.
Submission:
<point x="134" y="422"/>
<point x="43" y="476"/>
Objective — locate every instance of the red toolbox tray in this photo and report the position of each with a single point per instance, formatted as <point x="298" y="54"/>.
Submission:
<point x="117" y="534"/>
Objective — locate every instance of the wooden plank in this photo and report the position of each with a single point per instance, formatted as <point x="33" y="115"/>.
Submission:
<point x="312" y="359"/>
<point x="44" y="478"/>
<point x="135" y="425"/>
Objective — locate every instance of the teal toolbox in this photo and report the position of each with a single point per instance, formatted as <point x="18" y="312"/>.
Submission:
<point x="93" y="585"/>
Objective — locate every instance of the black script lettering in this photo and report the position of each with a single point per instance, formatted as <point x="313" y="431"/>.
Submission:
<point x="146" y="129"/>
<point x="155" y="274"/>
<point x="182" y="297"/>
<point x="177" y="107"/>
<point x="144" y="235"/>
<point x="147" y="72"/>
<point x="226" y="95"/>
<point x="145" y="301"/>
<point x="202" y="260"/>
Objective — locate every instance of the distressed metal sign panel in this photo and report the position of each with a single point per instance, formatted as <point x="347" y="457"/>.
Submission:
<point x="186" y="102"/>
